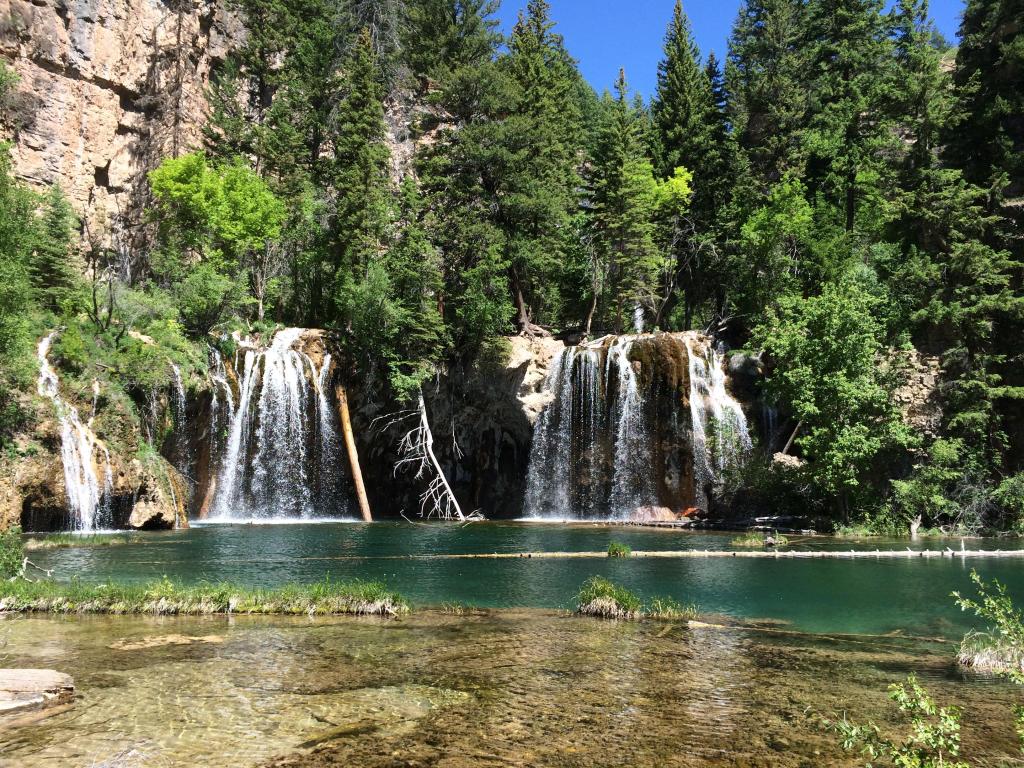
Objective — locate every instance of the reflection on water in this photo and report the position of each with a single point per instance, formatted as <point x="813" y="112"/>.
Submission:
<point x="862" y="596"/>
<point x="486" y="688"/>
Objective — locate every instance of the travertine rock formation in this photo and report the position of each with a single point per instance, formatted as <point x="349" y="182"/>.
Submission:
<point x="106" y="88"/>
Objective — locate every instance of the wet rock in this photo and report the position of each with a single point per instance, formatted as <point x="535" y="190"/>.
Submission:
<point x="143" y="496"/>
<point x="22" y="689"/>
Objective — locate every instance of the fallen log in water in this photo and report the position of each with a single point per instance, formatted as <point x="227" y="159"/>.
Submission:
<point x="853" y="554"/>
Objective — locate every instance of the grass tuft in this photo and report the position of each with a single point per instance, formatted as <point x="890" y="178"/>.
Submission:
<point x="618" y="549"/>
<point x="756" y="539"/>
<point x="600" y="597"/>
<point x="667" y="608"/>
<point x="164" y="597"/>
<point x="988" y="652"/>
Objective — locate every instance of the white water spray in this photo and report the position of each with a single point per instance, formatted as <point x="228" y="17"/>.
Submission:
<point x="277" y="453"/>
<point x="720" y="436"/>
<point x="88" y="503"/>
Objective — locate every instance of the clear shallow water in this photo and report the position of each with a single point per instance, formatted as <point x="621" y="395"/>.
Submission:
<point x="517" y="687"/>
<point x="834" y="596"/>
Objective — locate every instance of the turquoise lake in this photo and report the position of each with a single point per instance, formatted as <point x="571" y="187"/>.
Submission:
<point x="909" y="596"/>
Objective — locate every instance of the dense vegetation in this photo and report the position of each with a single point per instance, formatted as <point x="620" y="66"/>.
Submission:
<point x="844" y="189"/>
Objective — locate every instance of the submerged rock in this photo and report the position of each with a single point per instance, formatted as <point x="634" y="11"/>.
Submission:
<point x="22" y="689"/>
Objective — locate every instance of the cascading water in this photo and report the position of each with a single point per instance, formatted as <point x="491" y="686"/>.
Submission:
<point x="720" y="435"/>
<point x="631" y="478"/>
<point x="178" y="406"/>
<point x="616" y="440"/>
<point x="88" y="503"/>
<point x="591" y="446"/>
<point x="280" y="459"/>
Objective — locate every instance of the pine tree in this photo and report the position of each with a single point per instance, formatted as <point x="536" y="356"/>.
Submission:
<point x="358" y="176"/>
<point x="461" y="173"/>
<point x="989" y="137"/>
<point x="849" y="53"/>
<point x="626" y="262"/>
<point x="55" y="275"/>
<point x="538" y="189"/>
<point x="441" y="36"/>
<point x="987" y="141"/>
<point x="765" y="79"/>
<point x="683" y="99"/>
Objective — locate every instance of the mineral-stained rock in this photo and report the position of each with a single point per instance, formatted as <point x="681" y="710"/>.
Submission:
<point x="144" y="496"/>
<point x="653" y="515"/>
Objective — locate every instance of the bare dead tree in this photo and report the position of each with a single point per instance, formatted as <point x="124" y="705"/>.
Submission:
<point x="416" y="449"/>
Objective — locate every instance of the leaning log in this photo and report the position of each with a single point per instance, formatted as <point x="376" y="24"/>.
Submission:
<point x="353" y="453"/>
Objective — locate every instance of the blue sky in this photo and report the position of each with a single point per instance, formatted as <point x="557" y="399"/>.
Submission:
<point x="604" y="35"/>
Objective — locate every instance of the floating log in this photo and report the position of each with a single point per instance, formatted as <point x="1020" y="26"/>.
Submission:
<point x="853" y="554"/>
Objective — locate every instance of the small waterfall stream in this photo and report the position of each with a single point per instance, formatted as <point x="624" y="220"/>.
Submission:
<point x="618" y="441"/>
<point x="280" y="458"/>
<point x="88" y="501"/>
<point x="720" y="435"/>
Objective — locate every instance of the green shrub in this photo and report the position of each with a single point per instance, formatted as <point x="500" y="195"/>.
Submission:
<point x="1009" y="496"/>
<point x="932" y="741"/>
<point x="204" y="297"/>
<point x="618" y="549"/>
<point x="12" y="552"/>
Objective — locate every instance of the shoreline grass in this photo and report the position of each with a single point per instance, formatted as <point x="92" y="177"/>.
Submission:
<point x="364" y="598"/>
<point x="604" y="599"/>
<point x="988" y="652"/>
<point x="68" y="540"/>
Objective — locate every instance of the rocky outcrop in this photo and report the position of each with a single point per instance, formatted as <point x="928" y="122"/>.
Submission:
<point x="107" y="87"/>
<point x="483" y="428"/>
<point x="148" y="495"/>
<point x="918" y="395"/>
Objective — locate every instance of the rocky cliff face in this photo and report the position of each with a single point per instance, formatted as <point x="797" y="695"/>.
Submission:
<point x="107" y="87"/>
<point x="483" y="429"/>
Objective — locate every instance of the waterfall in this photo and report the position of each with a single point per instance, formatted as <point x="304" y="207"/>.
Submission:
<point x="591" y="445"/>
<point x="720" y="435"/>
<point x="631" y="478"/>
<point x="88" y="503"/>
<point x="178" y="406"/>
<point x="280" y="459"/>
<point x="616" y="440"/>
<point x="179" y="397"/>
<point x="638" y="319"/>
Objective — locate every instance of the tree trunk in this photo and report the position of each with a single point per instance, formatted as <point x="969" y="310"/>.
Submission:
<point x="353" y="454"/>
<point x="792" y="437"/>
<point x="526" y="325"/>
<point x="428" y="445"/>
<point x="590" y="314"/>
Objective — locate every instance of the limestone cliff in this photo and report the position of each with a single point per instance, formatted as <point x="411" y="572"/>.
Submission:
<point x="107" y="87"/>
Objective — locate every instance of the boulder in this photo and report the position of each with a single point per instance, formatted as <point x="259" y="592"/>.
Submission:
<point x="653" y="515"/>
